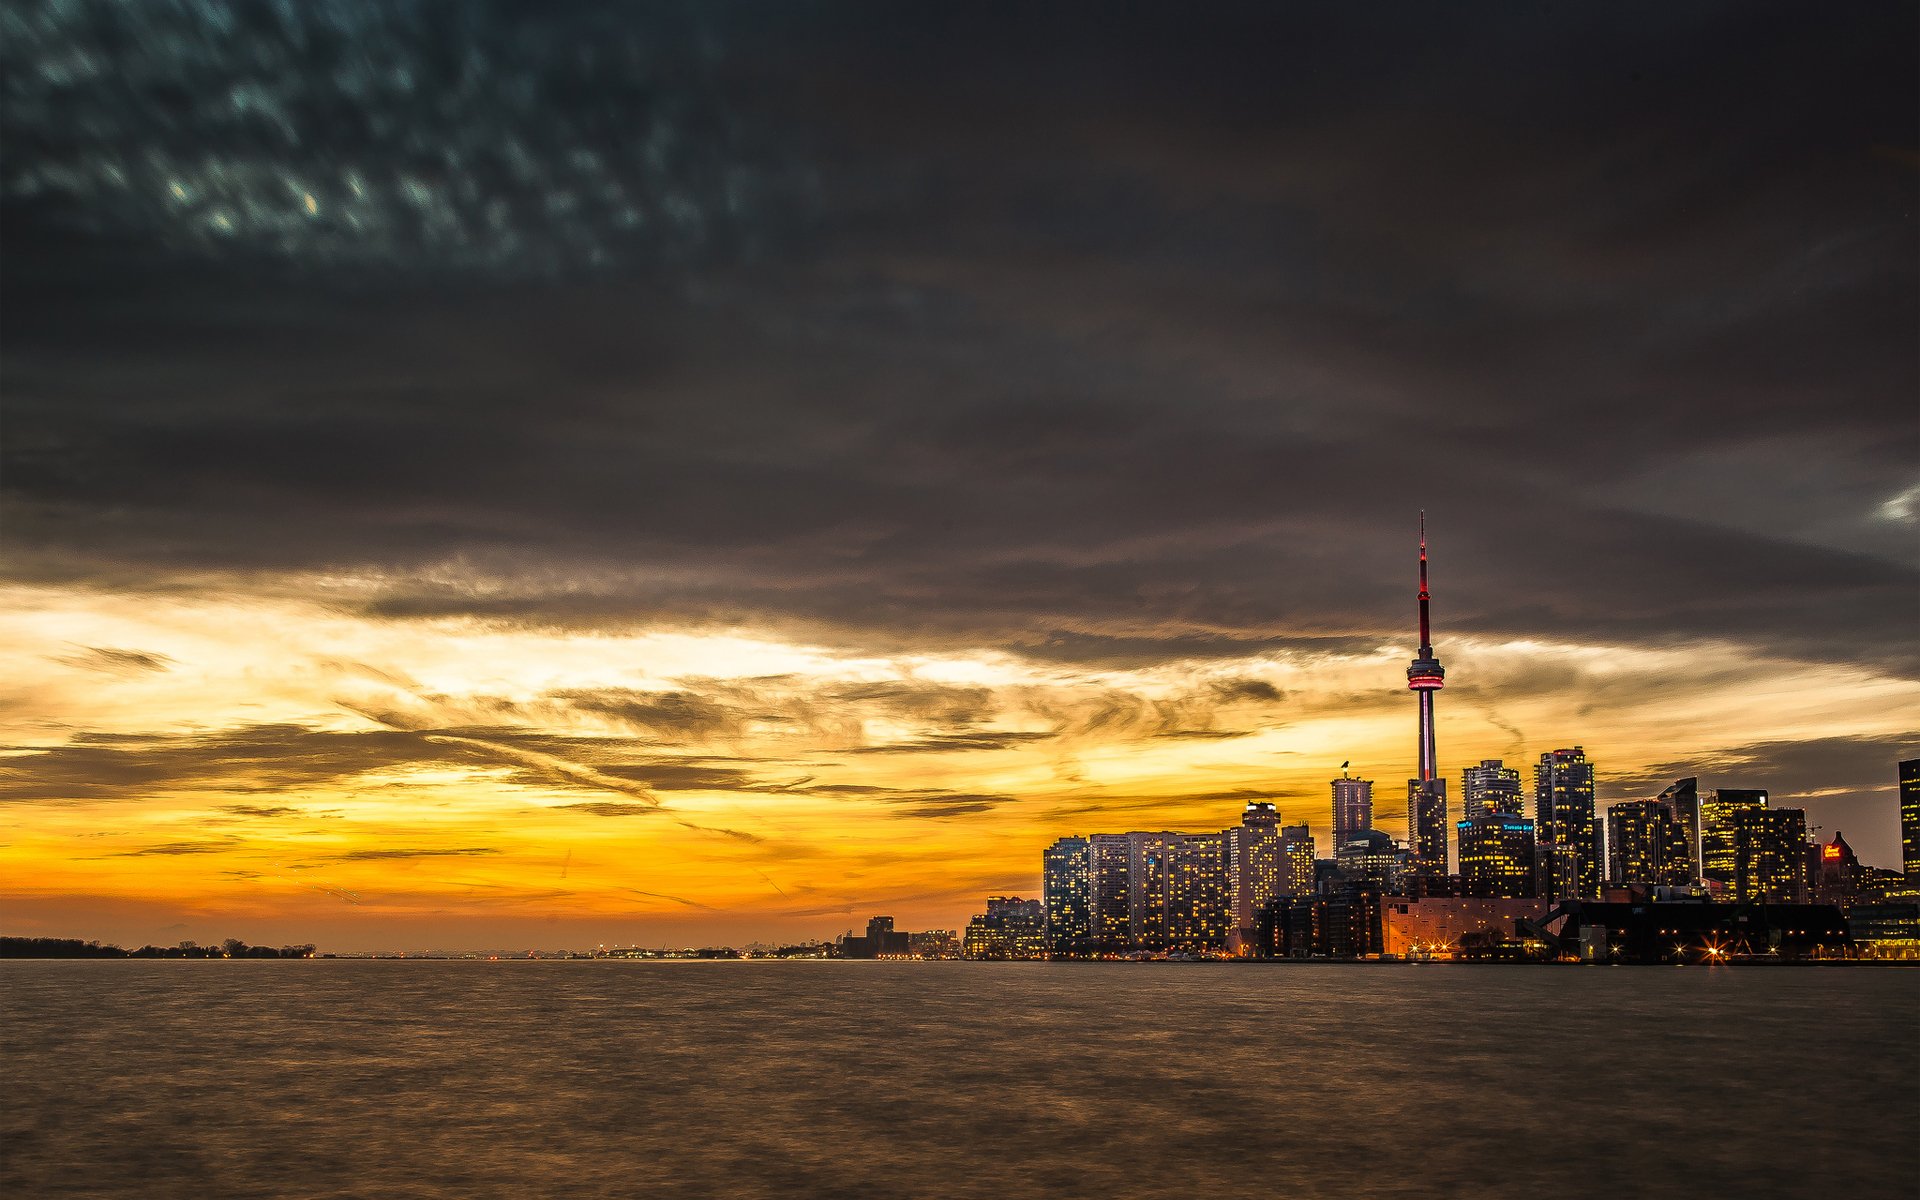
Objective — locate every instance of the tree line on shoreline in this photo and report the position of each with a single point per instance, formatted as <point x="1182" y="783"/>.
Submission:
<point x="32" y="947"/>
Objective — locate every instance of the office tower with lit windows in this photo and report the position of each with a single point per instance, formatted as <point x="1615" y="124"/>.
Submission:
<point x="1491" y="787"/>
<point x="1647" y="845"/>
<point x="1254" y="853"/>
<point x="1769" y="855"/>
<point x="1110" y="893"/>
<point x="1352" y="807"/>
<point x="1200" y="891"/>
<point x="1910" y="820"/>
<point x="1717" y="810"/>
<point x="1682" y="798"/>
<point x="1427" y="791"/>
<point x="1297" y="855"/>
<point x="1567" y="828"/>
<point x="1067" y="891"/>
<point x="1374" y="857"/>
<point x="1496" y="855"/>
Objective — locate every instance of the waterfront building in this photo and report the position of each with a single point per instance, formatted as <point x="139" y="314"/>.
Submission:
<point x="1426" y="791"/>
<point x="1491" y="787"/>
<point x="1110" y="892"/>
<point x="1695" y="932"/>
<point x="1067" y="889"/>
<point x="934" y="943"/>
<point x="881" y="941"/>
<point x="1717" y="809"/>
<point x="1011" y="929"/>
<point x="1646" y="844"/>
<point x="1256" y="852"/>
<point x="1352" y="807"/>
<point x="1496" y="855"/>
<point x="1769" y="854"/>
<point x="1566" y="825"/>
<point x="1910" y="820"/>
<point x="1150" y="888"/>
<point x="1437" y="925"/>
<point x="1200" y="892"/>
<point x="1345" y="923"/>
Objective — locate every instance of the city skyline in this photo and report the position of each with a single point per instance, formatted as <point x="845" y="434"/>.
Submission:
<point x="694" y="476"/>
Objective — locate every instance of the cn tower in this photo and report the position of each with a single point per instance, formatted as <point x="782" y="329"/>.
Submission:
<point x="1427" y="793"/>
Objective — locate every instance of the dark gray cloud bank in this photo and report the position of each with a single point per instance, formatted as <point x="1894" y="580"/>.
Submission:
<point x="1106" y="337"/>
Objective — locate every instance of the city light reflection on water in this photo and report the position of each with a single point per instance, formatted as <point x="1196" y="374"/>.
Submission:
<point x="457" y="1079"/>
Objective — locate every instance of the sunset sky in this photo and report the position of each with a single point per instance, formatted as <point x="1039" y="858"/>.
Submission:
<point x="483" y="478"/>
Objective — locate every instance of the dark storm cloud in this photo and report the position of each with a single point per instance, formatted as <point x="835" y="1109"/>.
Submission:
<point x="1109" y="340"/>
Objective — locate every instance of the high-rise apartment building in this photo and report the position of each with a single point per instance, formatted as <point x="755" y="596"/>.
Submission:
<point x="1150" y="888"/>
<point x="1491" y="787"/>
<point x="1255" y="853"/>
<point x="1352" y="808"/>
<point x="1566" y="825"/>
<point x="1496" y="855"/>
<point x="1770" y="855"/>
<point x="1297" y="853"/>
<point x="1717" y="809"/>
<point x="1646" y="844"/>
<point x="1067" y="889"/>
<point x="1200" y="891"/>
<point x="1110" y="893"/>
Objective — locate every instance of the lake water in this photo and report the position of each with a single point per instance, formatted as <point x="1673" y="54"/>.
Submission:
<point x="832" y="1079"/>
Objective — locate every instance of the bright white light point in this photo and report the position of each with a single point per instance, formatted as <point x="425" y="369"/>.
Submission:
<point x="313" y="206"/>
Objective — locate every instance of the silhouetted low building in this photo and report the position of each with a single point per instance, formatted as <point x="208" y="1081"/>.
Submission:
<point x="1437" y="925"/>
<point x="1345" y="923"/>
<point x="1698" y="932"/>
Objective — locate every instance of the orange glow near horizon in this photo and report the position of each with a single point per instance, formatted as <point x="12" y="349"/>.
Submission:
<point x="247" y="763"/>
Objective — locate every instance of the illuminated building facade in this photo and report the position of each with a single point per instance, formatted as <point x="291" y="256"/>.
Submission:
<point x="1910" y="820"/>
<point x="1110" y="915"/>
<point x="1011" y="928"/>
<point x="1256" y="853"/>
<point x="1717" y="809"/>
<point x="1297" y="858"/>
<point x="1200" y="892"/>
<point x="1150" y="888"/>
<point x="1437" y="925"/>
<point x="1769" y="855"/>
<point x="1426" y="791"/>
<point x="1352" y="807"/>
<point x="1067" y="889"/>
<point x="1491" y="787"/>
<point x="1373" y="857"/>
<point x="1496" y="856"/>
<point x="1647" y="845"/>
<point x="1566" y="826"/>
<point x="1833" y="871"/>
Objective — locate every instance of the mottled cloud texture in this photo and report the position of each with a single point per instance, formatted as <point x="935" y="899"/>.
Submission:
<point x="1020" y="412"/>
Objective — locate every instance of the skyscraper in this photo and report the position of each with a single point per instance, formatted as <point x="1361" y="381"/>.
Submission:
<point x="1717" y="809"/>
<point x="1200" y="891"/>
<point x="1255" y="862"/>
<point x="1910" y="820"/>
<point x="1109" y="894"/>
<point x="1491" y="787"/>
<point x="1497" y="855"/>
<point x="1352" y="807"/>
<point x="1067" y="887"/>
<point x="1296" y="863"/>
<point x="1647" y="845"/>
<point x="1426" y="792"/>
<point x="1567" y="827"/>
<point x="1682" y="798"/>
<point x="1770" y="854"/>
<point x="1150" y="888"/>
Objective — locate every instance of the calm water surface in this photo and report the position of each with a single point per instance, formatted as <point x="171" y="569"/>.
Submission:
<point x="817" y="1079"/>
